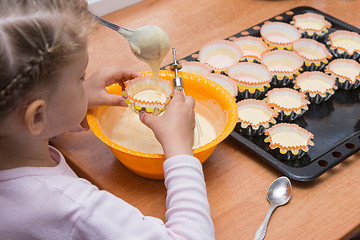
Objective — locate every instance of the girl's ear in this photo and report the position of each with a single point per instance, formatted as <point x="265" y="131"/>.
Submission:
<point x="35" y="117"/>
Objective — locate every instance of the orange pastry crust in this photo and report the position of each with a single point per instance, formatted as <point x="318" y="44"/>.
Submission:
<point x="253" y="103"/>
<point x="287" y="91"/>
<point x="344" y="34"/>
<point x="317" y="19"/>
<point x="220" y="48"/>
<point x="340" y="63"/>
<point x="279" y="35"/>
<point x="289" y="128"/>
<point x="134" y="86"/>
<point x="252" y="47"/>
<point x="316" y="75"/>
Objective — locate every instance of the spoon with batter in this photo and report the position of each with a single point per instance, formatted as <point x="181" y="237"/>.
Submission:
<point x="149" y="43"/>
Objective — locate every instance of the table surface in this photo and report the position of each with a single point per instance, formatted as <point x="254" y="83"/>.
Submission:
<point x="237" y="181"/>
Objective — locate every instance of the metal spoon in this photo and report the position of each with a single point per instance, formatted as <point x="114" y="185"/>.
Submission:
<point x="278" y="194"/>
<point x="147" y="43"/>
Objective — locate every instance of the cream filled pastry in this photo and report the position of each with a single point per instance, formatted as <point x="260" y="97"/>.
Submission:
<point x="311" y="25"/>
<point x="289" y="103"/>
<point x="291" y="140"/>
<point x="318" y="86"/>
<point x="346" y="72"/>
<point x="315" y="54"/>
<point x="315" y="84"/>
<point x="252" y="48"/>
<point x="197" y="68"/>
<point x="220" y="54"/>
<point x="284" y="65"/>
<point x="345" y="43"/>
<point x="255" y="116"/>
<point x="224" y="81"/>
<point x="279" y="35"/>
<point x="351" y="45"/>
<point x="253" y="79"/>
<point x="145" y="94"/>
<point x="151" y="96"/>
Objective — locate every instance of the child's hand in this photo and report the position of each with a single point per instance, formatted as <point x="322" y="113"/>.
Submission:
<point x="95" y="86"/>
<point x="175" y="128"/>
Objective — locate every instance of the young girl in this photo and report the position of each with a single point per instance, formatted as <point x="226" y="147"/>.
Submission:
<point x="43" y="56"/>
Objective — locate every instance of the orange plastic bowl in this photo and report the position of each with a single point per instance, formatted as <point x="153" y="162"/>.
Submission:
<point x="220" y="109"/>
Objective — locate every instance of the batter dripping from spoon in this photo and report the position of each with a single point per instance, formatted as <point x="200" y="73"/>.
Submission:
<point x="150" y="44"/>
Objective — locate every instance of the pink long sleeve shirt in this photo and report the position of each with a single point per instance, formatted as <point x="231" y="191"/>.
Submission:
<point x="53" y="203"/>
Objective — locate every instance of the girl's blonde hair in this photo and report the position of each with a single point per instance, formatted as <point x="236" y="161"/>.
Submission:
<point x="37" y="38"/>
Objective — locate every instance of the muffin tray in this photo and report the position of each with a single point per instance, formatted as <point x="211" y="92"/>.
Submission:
<point x="334" y="123"/>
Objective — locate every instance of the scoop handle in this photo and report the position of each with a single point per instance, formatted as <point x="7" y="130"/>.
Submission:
<point x="123" y="31"/>
<point x="260" y="233"/>
<point x="177" y="81"/>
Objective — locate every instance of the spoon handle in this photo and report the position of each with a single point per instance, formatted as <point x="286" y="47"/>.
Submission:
<point x="260" y="233"/>
<point x="123" y="31"/>
<point x="107" y="23"/>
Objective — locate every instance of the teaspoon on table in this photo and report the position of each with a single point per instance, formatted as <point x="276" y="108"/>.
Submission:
<point x="278" y="194"/>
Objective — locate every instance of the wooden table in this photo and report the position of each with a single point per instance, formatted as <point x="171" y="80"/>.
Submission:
<point x="326" y="208"/>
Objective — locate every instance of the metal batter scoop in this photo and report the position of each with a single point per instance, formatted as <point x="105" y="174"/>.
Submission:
<point x="178" y="85"/>
<point x="147" y="43"/>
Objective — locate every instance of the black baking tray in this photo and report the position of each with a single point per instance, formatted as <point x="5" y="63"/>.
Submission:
<point x="334" y="123"/>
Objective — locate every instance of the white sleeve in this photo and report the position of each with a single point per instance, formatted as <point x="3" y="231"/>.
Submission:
<point x="104" y="216"/>
<point x="188" y="211"/>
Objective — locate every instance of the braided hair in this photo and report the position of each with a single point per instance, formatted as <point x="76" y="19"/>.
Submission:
<point x="37" y="38"/>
